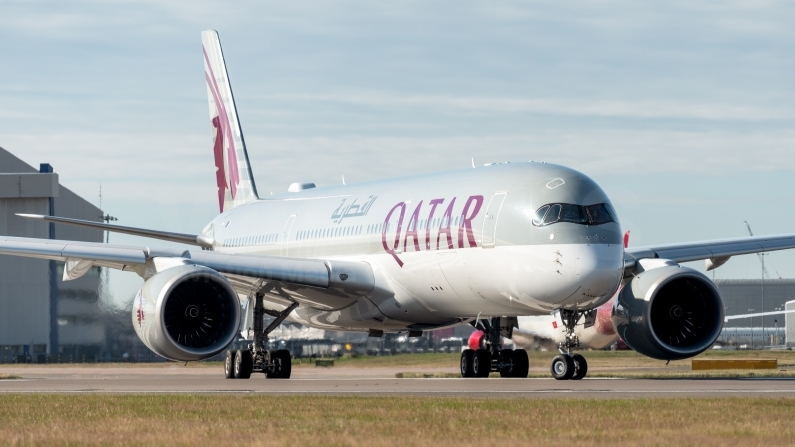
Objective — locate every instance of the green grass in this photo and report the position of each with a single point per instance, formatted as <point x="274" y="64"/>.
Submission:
<point x="8" y="377"/>
<point x="224" y="420"/>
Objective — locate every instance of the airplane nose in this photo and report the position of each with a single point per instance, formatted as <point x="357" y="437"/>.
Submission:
<point x="599" y="271"/>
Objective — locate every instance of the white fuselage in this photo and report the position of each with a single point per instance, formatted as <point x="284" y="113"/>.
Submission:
<point x="446" y="247"/>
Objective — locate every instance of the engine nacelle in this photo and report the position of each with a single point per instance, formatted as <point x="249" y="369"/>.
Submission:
<point x="669" y="313"/>
<point x="186" y="313"/>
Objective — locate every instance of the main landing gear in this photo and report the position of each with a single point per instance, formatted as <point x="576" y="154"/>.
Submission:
<point x="274" y="364"/>
<point x="567" y="365"/>
<point x="481" y="362"/>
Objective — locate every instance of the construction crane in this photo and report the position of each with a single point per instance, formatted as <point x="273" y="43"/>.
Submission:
<point x="761" y="260"/>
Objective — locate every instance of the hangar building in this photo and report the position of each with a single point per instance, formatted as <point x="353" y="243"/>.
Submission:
<point x="745" y="296"/>
<point x="40" y="314"/>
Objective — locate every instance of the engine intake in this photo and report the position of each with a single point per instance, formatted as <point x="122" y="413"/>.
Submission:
<point x="669" y="312"/>
<point x="186" y="313"/>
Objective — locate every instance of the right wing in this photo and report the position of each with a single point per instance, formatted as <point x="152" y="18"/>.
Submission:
<point x="715" y="252"/>
<point x="319" y="283"/>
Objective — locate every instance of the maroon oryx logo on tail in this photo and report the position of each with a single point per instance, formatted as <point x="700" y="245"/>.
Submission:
<point x="226" y="175"/>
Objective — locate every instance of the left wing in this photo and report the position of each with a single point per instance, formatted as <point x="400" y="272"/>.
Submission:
<point x="715" y="252"/>
<point x="320" y="283"/>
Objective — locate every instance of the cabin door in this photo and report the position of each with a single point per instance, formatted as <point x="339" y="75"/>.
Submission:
<point x="490" y="219"/>
<point x="286" y="235"/>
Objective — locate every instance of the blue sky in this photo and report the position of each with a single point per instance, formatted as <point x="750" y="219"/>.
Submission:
<point x="682" y="111"/>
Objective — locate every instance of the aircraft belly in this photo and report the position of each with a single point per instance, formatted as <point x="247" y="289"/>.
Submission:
<point x="360" y="316"/>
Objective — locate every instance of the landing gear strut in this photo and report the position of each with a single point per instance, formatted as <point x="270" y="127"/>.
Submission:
<point x="567" y="365"/>
<point x="274" y="364"/>
<point x="508" y="362"/>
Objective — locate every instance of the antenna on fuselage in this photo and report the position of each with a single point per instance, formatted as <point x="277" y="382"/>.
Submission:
<point x="473" y="162"/>
<point x="343" y="179"/>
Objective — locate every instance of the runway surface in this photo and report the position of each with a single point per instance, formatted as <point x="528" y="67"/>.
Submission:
<point x="364" y="381"/>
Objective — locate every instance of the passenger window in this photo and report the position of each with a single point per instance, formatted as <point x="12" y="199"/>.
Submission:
<point x="553" y="215"/>
<point x="539" y="217"/>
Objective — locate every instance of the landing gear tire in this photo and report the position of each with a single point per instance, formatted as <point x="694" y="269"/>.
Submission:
<point x="229" y="364"/>
<point x="580" y="367"/>
<point x="506" y="358"/>
<point x="244" y="364"/>
<point x="562" y="367"/>
<point x="521" y="364"/>
<point x="481" y="363"/>
<point x="466" y="363"/>
<point x="272" y="373"/>
<point x="284" y="365"/>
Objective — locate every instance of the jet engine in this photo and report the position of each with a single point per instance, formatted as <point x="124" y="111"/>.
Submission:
<point x="186" y="313"/>
<point x="669" y="312"/>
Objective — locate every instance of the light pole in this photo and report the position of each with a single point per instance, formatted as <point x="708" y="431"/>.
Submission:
<point x="762" y="257"/>
<point x="752" y="329"/>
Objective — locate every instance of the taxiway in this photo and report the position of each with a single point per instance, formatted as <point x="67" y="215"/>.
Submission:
<point x="364" y="381"/>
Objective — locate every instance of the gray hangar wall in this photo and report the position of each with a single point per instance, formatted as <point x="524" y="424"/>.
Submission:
<point x="27" y="325"/>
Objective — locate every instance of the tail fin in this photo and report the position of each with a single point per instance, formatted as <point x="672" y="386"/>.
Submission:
<point x="233" y="171"/>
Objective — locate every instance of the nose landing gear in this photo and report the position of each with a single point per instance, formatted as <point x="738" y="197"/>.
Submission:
<point x="508" y="362"/>
<point x="567" y="365"/>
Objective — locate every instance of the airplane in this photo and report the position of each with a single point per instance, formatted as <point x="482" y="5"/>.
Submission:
<point x="548" y="331"/>
<point x="479" y="246"/>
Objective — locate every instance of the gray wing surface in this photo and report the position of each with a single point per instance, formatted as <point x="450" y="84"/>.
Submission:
<point x="315" y="282"/>
<point x="716" y="251"/>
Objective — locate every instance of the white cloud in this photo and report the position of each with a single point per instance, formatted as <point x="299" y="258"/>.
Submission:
<point x="165" y="168"/>
<point x="556" y="106"/>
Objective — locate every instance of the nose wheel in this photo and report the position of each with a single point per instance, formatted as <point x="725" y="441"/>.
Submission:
<point x="568" y="366"/>
<point x="562" y="367"/>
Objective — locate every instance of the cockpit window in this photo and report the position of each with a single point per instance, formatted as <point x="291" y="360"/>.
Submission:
<point x="553" y="215"/>
<point x="598" y="214"/>
<point x="539" y="217"/>
<point x="573" y="213"/>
